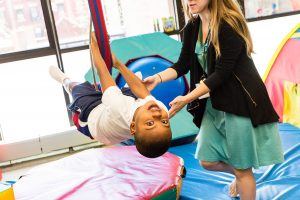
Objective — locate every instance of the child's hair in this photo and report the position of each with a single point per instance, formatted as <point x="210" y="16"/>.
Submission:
<point x="152" y="147"/>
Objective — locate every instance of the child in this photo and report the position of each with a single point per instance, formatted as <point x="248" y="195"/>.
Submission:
<point x="110" y="116"/>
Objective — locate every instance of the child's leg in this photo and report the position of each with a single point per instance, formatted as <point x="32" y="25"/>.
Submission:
<point x="60" y="77"/>
<point x="71" y="85"/>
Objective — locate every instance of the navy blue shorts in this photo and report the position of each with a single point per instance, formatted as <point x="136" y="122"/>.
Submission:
<point x="86" y="98"/>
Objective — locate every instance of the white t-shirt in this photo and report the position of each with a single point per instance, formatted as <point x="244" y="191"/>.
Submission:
<point x="110" y="121"/>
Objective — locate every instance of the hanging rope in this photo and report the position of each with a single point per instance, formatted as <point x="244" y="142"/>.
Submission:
<point x="97" y="17"/>
<point x="101" y="31"/>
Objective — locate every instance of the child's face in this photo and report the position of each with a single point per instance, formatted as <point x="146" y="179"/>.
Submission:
<point x="152" y="119"/>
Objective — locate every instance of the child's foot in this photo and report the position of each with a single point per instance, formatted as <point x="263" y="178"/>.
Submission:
<point x="57" y="74"/>
<point x="233" y="192"/>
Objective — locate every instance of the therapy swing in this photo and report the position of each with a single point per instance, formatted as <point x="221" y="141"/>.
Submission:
<point x="96" y="19"/>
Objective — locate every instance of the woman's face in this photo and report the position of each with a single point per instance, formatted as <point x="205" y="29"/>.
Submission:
<point x="197" y="6"/>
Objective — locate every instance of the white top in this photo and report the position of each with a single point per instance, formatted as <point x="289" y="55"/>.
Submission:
<point x="109" y="123"/>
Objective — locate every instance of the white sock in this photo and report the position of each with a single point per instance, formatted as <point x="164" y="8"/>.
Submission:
<point x="57" y="74"/>
<point x="60" y="77"/>
<point x="66" y="84"/>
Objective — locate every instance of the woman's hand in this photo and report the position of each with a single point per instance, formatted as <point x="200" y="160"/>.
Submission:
<point x="177" y="104"/>
<point x="151" y="82"/>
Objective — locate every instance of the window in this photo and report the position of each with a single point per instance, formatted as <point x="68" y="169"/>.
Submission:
<point x="261" y="8"/>
<point x="34" y="13"/>
<point x="15" y="37"/>
<point x="1" y="136"/>
<point x="133" y="17"/>
<point x="33" y="104"/>
<point x="20" y="15"/>
<point x="5" y="34"/>
<point x="73" y="24"/>
<point x="38" y="32"/>
<point x="60" y="7"/>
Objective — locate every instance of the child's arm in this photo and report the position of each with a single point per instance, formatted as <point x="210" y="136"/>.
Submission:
<point x="105" y="78"/>
<point x="136" y="85"/>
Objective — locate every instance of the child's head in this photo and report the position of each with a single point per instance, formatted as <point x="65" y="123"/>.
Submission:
<point x="151" y="130"/>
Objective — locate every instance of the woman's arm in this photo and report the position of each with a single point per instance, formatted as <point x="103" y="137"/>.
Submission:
<point x="152" y="81"/>
<point x="182" y="65"/>
<point x="179" y="102"/>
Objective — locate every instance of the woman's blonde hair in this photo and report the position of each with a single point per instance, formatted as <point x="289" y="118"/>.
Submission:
<point x="230" y="12"/>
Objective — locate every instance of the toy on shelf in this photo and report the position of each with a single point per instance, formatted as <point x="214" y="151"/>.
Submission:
<point x="168" y="24"/>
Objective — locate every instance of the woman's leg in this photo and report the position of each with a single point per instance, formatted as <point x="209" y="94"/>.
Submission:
<point x="222" y="167"/>
<point x="233" y="192"/>
<point x="217" y="166"/>
<point x="244" y="183"/>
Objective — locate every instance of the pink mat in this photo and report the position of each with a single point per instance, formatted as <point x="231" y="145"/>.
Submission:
<point x="104" y="173"/>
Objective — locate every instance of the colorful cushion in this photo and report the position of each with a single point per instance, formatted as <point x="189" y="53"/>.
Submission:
<point x="6" y="191"/>
<point x="291" y="108"/>
<point x="104" y="173"/>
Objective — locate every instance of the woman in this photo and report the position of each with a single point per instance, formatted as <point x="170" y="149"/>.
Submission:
<point x="239" y="125"/>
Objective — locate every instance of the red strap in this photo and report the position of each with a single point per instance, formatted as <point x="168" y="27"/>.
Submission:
<point x="76" y="119"/>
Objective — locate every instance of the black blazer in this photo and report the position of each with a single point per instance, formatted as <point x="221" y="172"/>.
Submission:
<point x="235" y="84"/>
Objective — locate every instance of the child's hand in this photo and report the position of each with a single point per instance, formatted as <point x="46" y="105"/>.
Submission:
<point x="176" y="105"/>
<point x="151" y="82"/>
<point x="96" y="55"/>
<point x="94" y="44"/>
<point x="116" y="61"/>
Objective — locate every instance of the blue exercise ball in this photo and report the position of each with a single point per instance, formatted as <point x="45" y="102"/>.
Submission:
<point x="148" y="66"/>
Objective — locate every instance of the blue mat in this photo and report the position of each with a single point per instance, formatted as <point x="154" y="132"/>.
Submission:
<point x="276" y="182"/>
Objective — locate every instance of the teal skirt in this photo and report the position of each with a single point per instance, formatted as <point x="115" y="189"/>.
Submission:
<point x="232" y="139"/>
